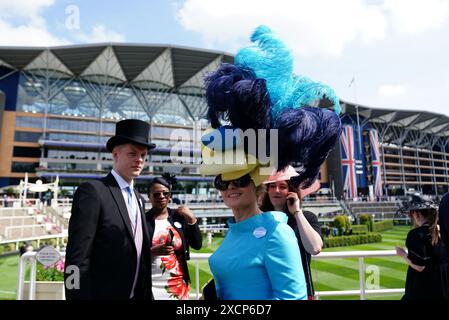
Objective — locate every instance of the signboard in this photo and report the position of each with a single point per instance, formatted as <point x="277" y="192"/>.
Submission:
<point x="48" y="256"/>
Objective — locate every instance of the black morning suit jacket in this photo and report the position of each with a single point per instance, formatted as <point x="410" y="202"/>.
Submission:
<point x="190" y="236"/>
<point x="101" y="244"/>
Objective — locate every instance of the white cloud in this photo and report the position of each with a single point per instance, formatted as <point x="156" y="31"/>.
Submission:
<point x="389" y="91"/>
<point x="27" y="35"/>
<point x="309" y="27"/>
<point x="415" y="16"/>
<point x="21" y="24"/>
<point x="323" y="27"/>
<point x="101" y="34"/>
<point x="23" y="8"/>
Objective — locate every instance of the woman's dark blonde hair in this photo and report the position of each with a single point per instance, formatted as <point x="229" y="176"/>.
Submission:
<point x="431" y="217"/>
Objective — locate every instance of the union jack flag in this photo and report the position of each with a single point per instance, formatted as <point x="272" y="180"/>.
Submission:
<point x="375" y="161"/>
<point x="348" y="161"/>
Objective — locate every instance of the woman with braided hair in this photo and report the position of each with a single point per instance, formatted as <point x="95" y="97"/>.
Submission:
<point x="172" y="232"/>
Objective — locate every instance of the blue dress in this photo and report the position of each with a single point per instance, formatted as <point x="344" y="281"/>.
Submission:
<point x="259" y="259"/>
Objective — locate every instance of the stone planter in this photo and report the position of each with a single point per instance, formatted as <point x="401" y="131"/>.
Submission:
<point x="46" y="290"/>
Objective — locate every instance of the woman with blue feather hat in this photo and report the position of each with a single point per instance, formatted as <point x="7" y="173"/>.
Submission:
<point x="259" y="94"/>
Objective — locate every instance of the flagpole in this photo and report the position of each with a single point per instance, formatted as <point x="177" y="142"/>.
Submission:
<point x="357" y="113"/>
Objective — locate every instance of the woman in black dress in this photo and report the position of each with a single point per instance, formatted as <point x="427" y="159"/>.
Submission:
<point x="281" y="188"/>
<point x="428" y="271"/>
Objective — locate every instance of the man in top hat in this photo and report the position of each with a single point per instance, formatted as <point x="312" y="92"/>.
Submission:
<point x="108" y="245"/>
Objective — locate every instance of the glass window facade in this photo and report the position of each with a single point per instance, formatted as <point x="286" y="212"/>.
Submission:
<point x="73" y="125"/>
<point x="24" y="166"/>
<point x="66" y="97"/>
<point x="78" y="155"/>
<point x="29" y="122"/>
<point x="23" y="136"/>
<point x="26" y="152"/>
<point x="77" y="137"/>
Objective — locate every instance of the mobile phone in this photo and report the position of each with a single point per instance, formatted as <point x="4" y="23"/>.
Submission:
<point x="172" y="238"/>
<point x="291" y="201"/>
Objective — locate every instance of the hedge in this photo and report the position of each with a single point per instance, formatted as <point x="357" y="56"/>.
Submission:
<point x="343" y="241"/>
<point x="11" y="247"/>
<point x="8" y="247"/>
<point x="49" y="242"/>
<point x="359" y="228"/>
<point x="382" y="225"/>
<point x="397" y="222"/>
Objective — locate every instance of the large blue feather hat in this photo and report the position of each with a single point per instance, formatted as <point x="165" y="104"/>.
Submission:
<point x="261" y="91"/>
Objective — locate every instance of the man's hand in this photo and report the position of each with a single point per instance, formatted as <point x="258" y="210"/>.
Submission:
<point x="187" y="214"/>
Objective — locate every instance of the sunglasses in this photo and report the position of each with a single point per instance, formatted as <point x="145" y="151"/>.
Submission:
<point x="164" y="194"/>
<point x="241" y="182"/>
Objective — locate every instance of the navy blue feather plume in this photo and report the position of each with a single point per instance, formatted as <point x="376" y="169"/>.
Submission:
<point x="233" y="93"/>
<point x="313" y="132"/>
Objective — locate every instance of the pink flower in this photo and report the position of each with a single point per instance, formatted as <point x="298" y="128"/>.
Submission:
<point x="60" y="265"/>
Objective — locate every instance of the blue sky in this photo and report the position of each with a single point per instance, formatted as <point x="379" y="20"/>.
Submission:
<point x="138" y="21"/>
<point x="397" y="50"/>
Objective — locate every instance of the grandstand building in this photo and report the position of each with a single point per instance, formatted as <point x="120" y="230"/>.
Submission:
<point x="59" y="105"/>
<point x="390" y="152"/>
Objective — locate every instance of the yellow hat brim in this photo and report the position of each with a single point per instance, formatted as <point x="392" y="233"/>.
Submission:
<point x="216" y="162"/>
<point x="232" y="164"/>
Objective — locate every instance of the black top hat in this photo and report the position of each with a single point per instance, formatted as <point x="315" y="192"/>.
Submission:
<point x="130" y="131"/>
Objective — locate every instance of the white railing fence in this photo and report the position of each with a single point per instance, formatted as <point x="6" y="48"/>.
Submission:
<point x="30" y="257"/>
<point x="361" y="255"/>
<point x="61" y="239"/>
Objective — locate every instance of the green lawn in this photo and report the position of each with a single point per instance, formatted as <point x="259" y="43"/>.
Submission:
<point x="343" y="274"/>
<point x="9" y="267"/>
<point x="336" y="274"/>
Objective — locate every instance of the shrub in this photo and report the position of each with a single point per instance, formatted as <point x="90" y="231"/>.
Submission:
<point x="50" y="242"/>
<point x="366" y="219"/>
<point x="401" y="222"/>
<point x="352" y="240"/>
<point x="341" y="223"/>
<point x="382" y="225"/>
<point x="8" y="247"/>
<point x="359" y="228"/>
<point x="11" y="191"/>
